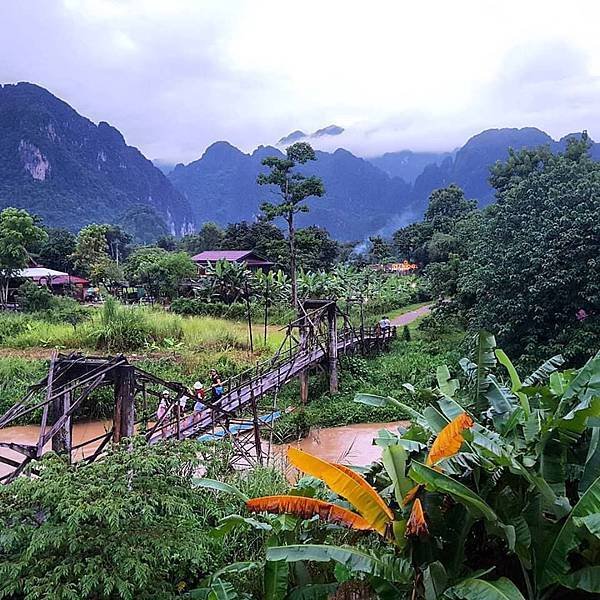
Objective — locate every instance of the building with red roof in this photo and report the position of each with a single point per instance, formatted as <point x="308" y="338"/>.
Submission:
<point x="249" y="257"/>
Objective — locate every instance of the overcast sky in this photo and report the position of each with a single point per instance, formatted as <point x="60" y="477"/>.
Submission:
<point x="176" y="75"/>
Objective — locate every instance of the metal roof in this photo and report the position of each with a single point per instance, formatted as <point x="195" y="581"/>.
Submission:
<point x="38" y="273"/>
<point x="231" y="255"/>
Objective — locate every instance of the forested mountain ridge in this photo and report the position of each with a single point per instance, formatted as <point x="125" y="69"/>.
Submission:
<point x="470" y="167"/>
<point x="70" y="171"/>
<point x="359" y="198"/>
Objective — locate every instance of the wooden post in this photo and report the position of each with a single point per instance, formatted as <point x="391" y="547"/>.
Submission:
<point x="124" y="415"/>
<point x="266" y="308"/>
<point x="256" y="428"/>
<point x="62" y="439"/>
<point x="303" y="374"/>
<point x="248" y="310"/>
<point x="333" y="349"/>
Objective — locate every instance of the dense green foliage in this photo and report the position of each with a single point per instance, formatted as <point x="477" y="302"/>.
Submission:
<point x="130" y="526"/>
<point x="533" y="271"/>
<point x="18" y="233"/>
<point x="506" y="507"/>
<point x="159" y="272"/>
<point x="526" y="267"/>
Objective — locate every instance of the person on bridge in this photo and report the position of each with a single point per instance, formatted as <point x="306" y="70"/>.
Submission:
<point x="161" y="411"/>
<point x="199" y="395"/>
<point x="385" y="325"/>
<point x="216" y="384"/>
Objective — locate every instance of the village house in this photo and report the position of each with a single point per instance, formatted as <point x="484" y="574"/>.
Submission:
<point x="249" y="257"/>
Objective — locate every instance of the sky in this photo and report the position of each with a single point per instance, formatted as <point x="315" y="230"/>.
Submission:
<point x="175" y="76"/>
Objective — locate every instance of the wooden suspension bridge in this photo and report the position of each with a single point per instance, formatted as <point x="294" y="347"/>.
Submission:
<point x="315" y="340"/>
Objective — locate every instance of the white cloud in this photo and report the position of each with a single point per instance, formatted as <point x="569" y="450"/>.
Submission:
<point x="176" y="75"/>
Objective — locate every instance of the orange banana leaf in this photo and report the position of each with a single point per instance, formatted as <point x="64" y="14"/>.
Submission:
<point x="411" y="495"/>
<point x="307" y="508"/>
<point x="450" y="439"/>
<point x="368" y="488"/>
<point x="417" y="525"/>
<point x="359" y="493"/>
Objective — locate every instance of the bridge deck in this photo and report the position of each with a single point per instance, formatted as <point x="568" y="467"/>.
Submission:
<point x="235" y="400"/>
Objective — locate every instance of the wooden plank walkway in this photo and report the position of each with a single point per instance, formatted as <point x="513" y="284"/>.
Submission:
<point x="236" y="399"/>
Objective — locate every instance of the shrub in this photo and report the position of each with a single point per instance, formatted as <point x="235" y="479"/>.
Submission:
<point x="119" y="328"/>
<point x="129" y="526"/>
<point x="32" y="297"/>
<point x="12" y="324"/>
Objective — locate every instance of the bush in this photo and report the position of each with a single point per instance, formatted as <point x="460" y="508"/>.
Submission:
<point x="16" y="375"/>
<point x="130" y="526"/>
<point x="120" y="328"/>
<point x="12" y="324"/>
<point x="237" y="311"/>
<point x="65" y="310"/>
<point x="32" y="297"/>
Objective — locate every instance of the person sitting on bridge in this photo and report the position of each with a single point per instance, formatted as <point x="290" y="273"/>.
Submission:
<point x="216" y="384"/>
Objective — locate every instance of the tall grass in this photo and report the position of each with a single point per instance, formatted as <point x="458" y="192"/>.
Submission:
<point x="118" y="328"/>
<point x="16" y="375"/>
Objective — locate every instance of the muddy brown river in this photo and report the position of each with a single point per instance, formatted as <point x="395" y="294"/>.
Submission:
<point x="349" y="444"/>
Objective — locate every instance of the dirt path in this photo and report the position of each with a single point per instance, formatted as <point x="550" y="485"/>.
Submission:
<point x="410" y="316"/>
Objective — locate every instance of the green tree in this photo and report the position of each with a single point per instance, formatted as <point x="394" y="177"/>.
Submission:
<point x="381" y="250"/>
<point x="159" y="271"/>
<point x="91" y="256"/>
<point x="446" y="206"/>
<point x="129" y="526"/>
<point x="294" y="190"/>
<point x="167" y="242"/>
<point x="316" y="249"/>
<point x="265" y="238"/>
<point x="209" y="237"/>
<point x="55" y="252"/>
<point x="18" y="233"/>
<point x="533" y="271"/>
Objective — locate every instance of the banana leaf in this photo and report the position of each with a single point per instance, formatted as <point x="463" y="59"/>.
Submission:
<point x="394" y="461"/>
<point x="586" y="579"/>
<point x="555" y="565"/>
<point x="219" y="486"/>
<point x="446" y="385"/>
<point x="481" y="589"/>
<point x="381" y="401"/>
<point x="391" y="568"/>
<point x="544" y="372"/>
<point x="435" y="481"/>
<point x="515" y="381"/>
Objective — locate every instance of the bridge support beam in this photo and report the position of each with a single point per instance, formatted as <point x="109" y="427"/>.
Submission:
<point x="124" y="415"/>
<point x="62" y="439"/>
<point x="303" y="378"/>
<point x="333" y="349"/>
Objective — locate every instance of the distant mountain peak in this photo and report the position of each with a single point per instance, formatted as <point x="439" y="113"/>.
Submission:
<point x="298" y="135"/>
<point x="295" y="136"/>
<point x="63" y="167"/>
<point x="329" y="130"/>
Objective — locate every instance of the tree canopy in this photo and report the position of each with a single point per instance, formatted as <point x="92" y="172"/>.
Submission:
<point x="294" y="189"/>
<point x="533" y="271"/>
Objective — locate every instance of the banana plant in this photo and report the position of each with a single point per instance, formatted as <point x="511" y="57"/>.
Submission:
<point x="493" y="492"/>
<point x="532" y="457"/>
